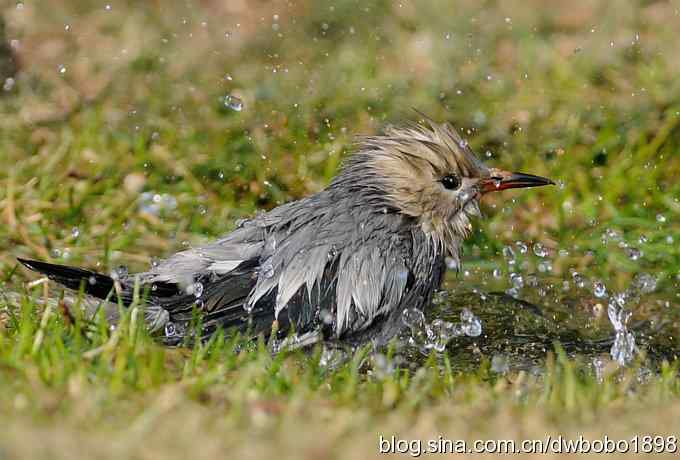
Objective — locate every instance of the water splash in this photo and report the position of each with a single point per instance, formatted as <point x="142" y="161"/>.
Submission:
<point x="623" y="348"/>
<point x="437" y="334"/>
<point x="472" y="326"/>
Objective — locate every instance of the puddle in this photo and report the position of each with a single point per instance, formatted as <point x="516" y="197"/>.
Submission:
<point x="524" y="307"/>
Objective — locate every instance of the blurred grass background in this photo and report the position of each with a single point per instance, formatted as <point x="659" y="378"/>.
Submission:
<point x="108" y="104"/>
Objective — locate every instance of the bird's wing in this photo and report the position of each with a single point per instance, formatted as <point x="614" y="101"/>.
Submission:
<point x="218" y="258"/>
<point x="339" y="264"/>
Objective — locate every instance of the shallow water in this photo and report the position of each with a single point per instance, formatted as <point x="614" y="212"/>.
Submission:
<point x="518" y="334"/>
<point x="525" y="308"/>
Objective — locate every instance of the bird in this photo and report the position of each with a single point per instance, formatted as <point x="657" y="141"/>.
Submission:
<point x="338" y="266"/>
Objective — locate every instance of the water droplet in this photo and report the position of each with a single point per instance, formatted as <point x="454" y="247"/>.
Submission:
<point x="633" y="253"/>
<point x="545" y="266"/>
<point x="62" y="69"/>
<point x="267" y="269"/>
<point x="233" y="103"/>
<point x="645" y="283"/>
<point x="156" y="203"/>
<point x="540" y="250"/>
<point x="611" y="234"/>
<point x="107" y="7"/>
<point x="509" y="254"/>
<point x="92" y="280"/>
<point x="497" y="273"/>
<point x="623" y="348"/>
<point x="119" y="273"/>
<point x="599" y="289"/>
<point x="170" y="329"/>
<point x="522" y="247"/>
<point x="578" y="280"/>
<point x="471" y="325"/>
<point x="598" y="366"/>
<point x="8" y="84"/>
<point x="198" y="289"/>
<point x="326" y="316"/>
<point x="516" y="280"/>
<point x="413" y="318"/>
<point x="442" y="333"/>
<point x="660" y="218"/>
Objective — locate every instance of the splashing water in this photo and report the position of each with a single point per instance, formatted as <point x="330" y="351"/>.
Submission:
<point x="623" y="348"/>
<point x="437" y="334"/>
<point x="472" y="326"/>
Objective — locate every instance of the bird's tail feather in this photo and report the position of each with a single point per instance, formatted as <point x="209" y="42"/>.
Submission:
<point x="93" y="283"/>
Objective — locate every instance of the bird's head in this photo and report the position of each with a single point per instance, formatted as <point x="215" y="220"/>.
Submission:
<point x="431" y="174"/>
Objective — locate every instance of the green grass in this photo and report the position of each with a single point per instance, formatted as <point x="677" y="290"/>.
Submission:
<point x="586" y="93"/>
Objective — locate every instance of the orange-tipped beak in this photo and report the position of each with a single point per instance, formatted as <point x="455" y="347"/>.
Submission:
<point x="502" y="180"/>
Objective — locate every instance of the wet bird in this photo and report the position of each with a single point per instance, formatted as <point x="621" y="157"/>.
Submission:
<point x="340" y="265"/>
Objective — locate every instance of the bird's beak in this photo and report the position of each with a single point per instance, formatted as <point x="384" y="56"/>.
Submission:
<point x="502" y="180"/>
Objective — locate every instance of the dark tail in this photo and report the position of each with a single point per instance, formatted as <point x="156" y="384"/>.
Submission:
<point x="93" y="283"/>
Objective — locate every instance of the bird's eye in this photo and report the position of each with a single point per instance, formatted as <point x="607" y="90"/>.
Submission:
<point x="451" y="182"/>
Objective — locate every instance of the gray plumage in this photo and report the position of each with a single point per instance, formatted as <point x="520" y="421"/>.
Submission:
<point x="344" y="262"/>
